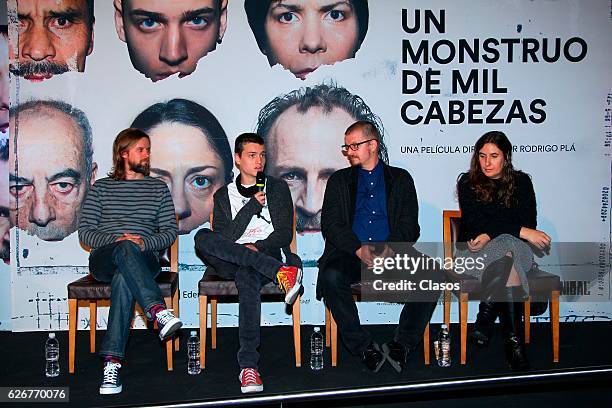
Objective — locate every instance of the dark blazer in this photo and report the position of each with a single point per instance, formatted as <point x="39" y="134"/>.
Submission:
<point x="278" y="198"/>
<point x="339" y="210"/>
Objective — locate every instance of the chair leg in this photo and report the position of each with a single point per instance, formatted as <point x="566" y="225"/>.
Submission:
<point x="334" y="340"/>
<point x="297" y="343"/>
<point x="203" y="323"/>
<point x="554" y="323"/>
<point x="136" y="312"/>
<point x="447" y="307"/>
<point x="93" y="318"/>
<point x="527" y="320"/>
<point x="169" y="343"/>
<point x="463" y="314"/>
<point x="327" y="323"/>
<point x="175" y="306"/>
<point x="73" y="311"/>
<point x="213" y="323"/>
<point x="426" y="344"/>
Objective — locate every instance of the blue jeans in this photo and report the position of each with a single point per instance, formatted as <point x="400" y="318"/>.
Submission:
<point x="251" y="270"/>
<point x="131" y="273"/>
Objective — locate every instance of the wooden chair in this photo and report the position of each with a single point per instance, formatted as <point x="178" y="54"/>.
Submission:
<point x="88" y="291"/>
<point x="331" y="329"/>
<point x="215" y="289"/>
<point x="541" y="284"/>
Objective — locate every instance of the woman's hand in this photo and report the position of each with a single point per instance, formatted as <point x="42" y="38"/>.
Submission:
<point x="537" y="238"/>
<point x="478" y="243"/>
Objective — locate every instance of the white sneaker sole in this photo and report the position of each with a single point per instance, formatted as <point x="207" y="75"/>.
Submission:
<point x="111" y="390"/>
<point x="170" y="328"/>
<point x="251" y="388"/>
<point x="295" y="290"/>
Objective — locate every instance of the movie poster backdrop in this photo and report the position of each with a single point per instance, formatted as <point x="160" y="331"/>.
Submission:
<point x="432" y="76"/>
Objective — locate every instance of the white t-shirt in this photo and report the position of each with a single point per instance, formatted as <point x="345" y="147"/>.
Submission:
<point x="259" y="227"/>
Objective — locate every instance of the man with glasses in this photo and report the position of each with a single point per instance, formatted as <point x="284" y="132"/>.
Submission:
<point x="364" y="206"/>
<point x="311" y="119"/>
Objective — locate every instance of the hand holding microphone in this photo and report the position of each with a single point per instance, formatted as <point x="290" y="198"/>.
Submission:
<point x="260" y="183"/>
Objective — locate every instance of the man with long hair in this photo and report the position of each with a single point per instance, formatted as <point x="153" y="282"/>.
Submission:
<point x="127" y="218"/>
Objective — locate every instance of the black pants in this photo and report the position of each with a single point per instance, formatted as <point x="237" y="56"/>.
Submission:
<point x="251" y="270"/>
<point x="339" y="272"/>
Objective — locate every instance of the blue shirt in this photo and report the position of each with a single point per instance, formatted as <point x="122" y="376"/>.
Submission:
<point x="371" y="223"/>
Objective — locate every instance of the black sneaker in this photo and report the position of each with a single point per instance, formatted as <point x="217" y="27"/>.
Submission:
<point x="373" y="358"/>
<point x="111" y="383"/>
<point x="396" y="354"/>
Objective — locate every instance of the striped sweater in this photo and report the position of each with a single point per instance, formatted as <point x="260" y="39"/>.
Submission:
<point x="114" y="207"/>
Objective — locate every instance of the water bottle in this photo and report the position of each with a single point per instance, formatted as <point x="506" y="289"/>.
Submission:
<point x="52" y="368"/>
<point x="193" y="353"/>
<point x="316" y="350"/>
<point x="442" y="347"/>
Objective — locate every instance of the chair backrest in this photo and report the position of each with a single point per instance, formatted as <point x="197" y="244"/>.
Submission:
<point x="173" y="252"/>
<point x="173" y="255"/>
<point x="451" y="221"/>
<point x="292" y="246"/>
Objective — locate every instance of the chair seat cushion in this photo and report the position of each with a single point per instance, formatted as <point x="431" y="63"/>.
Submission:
<point x="214" y="285"/>
<point x="540" y="282"/>
<point x="88" y="287"/>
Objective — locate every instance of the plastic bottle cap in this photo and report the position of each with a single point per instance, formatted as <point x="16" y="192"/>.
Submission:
<point x="51" y="335"/>
<point x="193" y="333"/>
<point x="317" y="329"/>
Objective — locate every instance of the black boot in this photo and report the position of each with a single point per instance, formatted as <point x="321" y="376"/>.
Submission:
<point x="493" y="283"/>
<point x="483" y="328"/>
<point x="494" y="279"/>
<point x="510" y="317"/>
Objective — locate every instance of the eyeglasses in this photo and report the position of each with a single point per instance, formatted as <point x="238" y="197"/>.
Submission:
<point x="354" y="146"/>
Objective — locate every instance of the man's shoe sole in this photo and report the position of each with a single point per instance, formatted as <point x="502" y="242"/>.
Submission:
<point x="379" y="366"/>
<point x="387" y="354"/>
<point x="295" y="290"/>
<point x="170" y="328"/>
<point x="251" y="388"/>
<point x="380" y="363"/>
<point x="110" y="391"/>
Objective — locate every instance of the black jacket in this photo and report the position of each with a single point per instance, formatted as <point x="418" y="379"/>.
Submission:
<point x="278" y="199"/>
<point x="339" y="210"/>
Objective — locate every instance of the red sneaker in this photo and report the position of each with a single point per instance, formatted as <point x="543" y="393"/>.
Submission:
<point x="289" y="280"/>
<point x="250" y="381"/>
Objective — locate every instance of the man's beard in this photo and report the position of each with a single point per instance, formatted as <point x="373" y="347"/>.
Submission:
<point x="308" y="223"/>
<point x="37" y="68"/>
<point x="143" y="167"/>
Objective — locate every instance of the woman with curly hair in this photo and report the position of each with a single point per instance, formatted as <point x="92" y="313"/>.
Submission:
<point x="498" y="225"/>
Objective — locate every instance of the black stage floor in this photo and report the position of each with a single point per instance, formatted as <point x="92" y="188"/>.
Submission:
<point x="584" y="347"/>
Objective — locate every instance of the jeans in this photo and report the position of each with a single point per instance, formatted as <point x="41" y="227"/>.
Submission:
<point x="251" y="270"/>
<point x="131" y="273"/>
<point x="338" y="273"/>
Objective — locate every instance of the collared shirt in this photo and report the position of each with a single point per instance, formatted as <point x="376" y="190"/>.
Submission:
<point x="371" y="223"/>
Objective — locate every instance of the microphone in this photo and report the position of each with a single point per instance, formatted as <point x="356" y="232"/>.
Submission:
<point x="260" y="181"/>
<point x="260" y="184"/>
